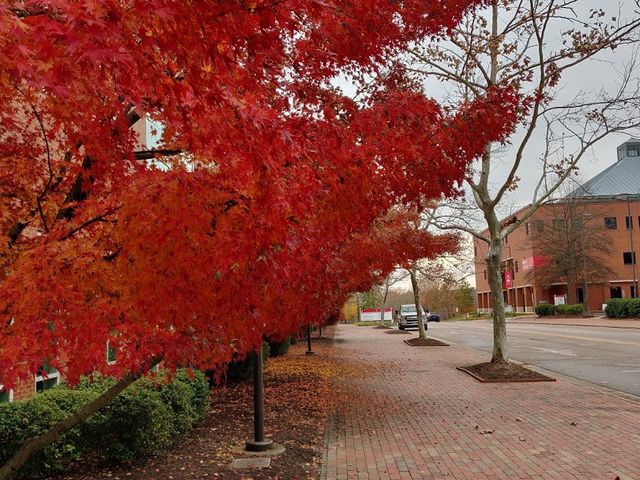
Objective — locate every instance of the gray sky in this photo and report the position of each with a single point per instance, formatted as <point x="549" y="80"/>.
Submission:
<point x="600" y="73"/>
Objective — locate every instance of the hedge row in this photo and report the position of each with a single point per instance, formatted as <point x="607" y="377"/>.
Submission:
<point x="623" y="308"/>
<point x="546" y="310"/>
<point x="242" y="369"/>
<point x="147" y="416"/>
<point x="277" y="349"/>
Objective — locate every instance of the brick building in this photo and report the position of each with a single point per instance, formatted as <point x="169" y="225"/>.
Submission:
<point x="49" y="377"/>
<point x="611" y="199"/>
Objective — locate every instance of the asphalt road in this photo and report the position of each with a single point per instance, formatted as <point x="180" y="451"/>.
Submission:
<point x="605" y="356"/>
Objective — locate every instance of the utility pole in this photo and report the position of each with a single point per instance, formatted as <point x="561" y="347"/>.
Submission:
<point x="633" y="253"/>
<point x="585" y="284"/>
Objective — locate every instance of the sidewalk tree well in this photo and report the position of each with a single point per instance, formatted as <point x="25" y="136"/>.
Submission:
<point x="268" y="186"/>
<point x="540" y="48"/>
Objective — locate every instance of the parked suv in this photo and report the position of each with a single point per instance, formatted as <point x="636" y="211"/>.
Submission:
<point x="407" y="317"/>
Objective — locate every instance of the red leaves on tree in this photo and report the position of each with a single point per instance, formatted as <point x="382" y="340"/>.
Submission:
<point x="282" y="204"/>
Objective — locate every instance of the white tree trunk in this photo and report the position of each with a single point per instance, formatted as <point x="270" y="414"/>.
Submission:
<point x="494" y="260"/>
<point x="416" y="298"/>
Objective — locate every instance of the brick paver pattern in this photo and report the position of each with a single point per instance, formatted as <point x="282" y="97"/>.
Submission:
<point x="413" y="416"/>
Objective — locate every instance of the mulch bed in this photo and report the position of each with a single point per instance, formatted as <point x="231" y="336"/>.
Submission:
<point x="397" y="332"/>
<point x="504" y="373"/>
<point x="381" y="327"/>
<point x="300" y="392"/>
<point x="425" y="342"/>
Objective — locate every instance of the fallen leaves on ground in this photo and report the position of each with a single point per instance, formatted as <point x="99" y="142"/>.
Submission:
<point x="300" y="393"/>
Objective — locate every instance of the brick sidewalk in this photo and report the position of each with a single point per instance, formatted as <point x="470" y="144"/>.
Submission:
<point x="414" y="417"/>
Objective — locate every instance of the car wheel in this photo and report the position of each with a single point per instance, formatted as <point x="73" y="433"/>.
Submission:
<point x="400" y="327"/>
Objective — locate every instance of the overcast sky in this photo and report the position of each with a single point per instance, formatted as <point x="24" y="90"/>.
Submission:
<point x="601" y="73"/>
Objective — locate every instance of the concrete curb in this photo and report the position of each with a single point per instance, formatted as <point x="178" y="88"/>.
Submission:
<point x="633" y="327"/>
<point x="575" y="381"/>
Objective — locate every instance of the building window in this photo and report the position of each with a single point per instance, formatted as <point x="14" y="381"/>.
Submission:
<point x="506" y="239"/>
<point x="610" y="223"/>
<point x="111" y="354"/>
<point x="558" y="224"/>
<point x="526" y="228"/>
<point x="580" y="295"/>
<point x="634" y="294"/>
<point x="5" y="395"/>
<point x="51" y="380"/>
<point x="634" y="151"/>
<point x="628" y="221"/>
<point x="615" y="292"/>
<point x="539" y="226"/>
<point x="485" y="274"/>
<point x="627" y="256"/>
<point x="475" y="251"/>
<point x="516" y="266"/>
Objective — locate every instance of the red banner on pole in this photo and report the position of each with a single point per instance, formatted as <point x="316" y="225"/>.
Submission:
<point x="508" y="279"/>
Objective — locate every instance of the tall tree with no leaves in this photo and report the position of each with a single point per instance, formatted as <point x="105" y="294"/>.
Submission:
<point x="575" y="247"/>
<point x="530" y="46"/>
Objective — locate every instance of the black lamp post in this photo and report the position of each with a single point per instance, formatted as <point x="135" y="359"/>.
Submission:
<point x="633" y="252"/>
<point x="309" y="352"/>
<point x="259" y="442"/>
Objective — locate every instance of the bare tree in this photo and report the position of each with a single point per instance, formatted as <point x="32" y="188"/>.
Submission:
<point x="447" y="296"/>
<point x="529" y="45"/>
<point x="415" y="287"/>
<point x="392" y="279"/>
<point x="575" y="246"/>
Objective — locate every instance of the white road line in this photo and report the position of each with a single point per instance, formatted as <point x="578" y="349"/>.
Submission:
<point x="566" y="353"/>
<point x="572" y="337"/>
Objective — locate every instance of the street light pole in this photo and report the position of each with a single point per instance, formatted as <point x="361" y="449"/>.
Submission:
<point x="309" y="351"/>
<point x="633" y="253"/>
<point x="585" y="284"/>
<point x="259" y="442"/>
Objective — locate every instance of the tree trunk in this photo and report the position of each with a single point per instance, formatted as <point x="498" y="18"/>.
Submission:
<point x="494" y="260"/>
<point x="416" y="298"/>
<point x="384" y="300"/>
<point x="36" y="444"/>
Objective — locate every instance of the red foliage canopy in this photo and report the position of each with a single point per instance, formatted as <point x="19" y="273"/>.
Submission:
<point x="280" y="205"/>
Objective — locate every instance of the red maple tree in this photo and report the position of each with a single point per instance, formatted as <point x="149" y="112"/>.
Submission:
<point x="273" y="203"/>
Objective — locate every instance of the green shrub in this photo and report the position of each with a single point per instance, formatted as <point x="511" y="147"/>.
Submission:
<point x="633" y="307"/>
<point x="623" y="308"/>
<point x="198" y="383"/>
<point x="242" y="370"/>
<point x="144" y="418"/>
<point x="569" y="309"/>
<point x="277" y="349"/>
<point x="137" y="421"/>
<point x="22" y="420"/>
<point x="545" y="310"/>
